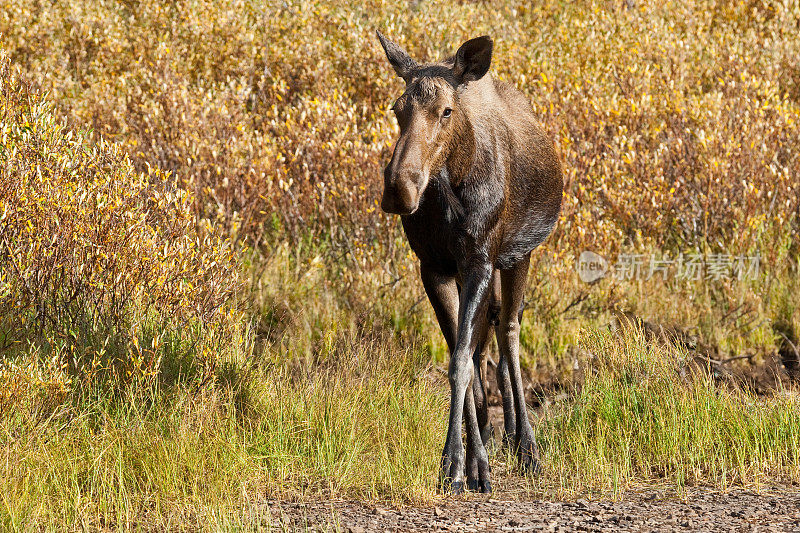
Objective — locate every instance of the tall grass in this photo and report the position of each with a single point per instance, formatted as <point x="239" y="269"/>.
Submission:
<point x="155" y="457"/>
<point x="370" y="426"/>
<point x="644" y="414"/>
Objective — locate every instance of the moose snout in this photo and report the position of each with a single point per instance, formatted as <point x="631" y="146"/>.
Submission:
<point x="401" y="191"/>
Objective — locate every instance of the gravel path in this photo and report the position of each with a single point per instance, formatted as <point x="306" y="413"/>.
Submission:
<point x="735" y="510"/>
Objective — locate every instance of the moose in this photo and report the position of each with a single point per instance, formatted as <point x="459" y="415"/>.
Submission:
<point x="478" y="185"/>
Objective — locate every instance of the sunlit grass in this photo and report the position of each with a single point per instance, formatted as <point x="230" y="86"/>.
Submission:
<point x="643" y="415"/>
<point x="368" y="428"/>
<point x="369" y="425"/>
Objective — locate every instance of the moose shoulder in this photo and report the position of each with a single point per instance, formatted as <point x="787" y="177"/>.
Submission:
<point x="478" y="186"/>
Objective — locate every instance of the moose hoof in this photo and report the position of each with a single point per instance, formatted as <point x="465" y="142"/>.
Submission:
<point x="484" y="486"/>
<point x="456" y="488"/>
<point x="448" y="486"/>
<point x="530" y="465"/>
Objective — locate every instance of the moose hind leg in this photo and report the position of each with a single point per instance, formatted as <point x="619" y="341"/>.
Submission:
<point x="509" y="411"/>
<point x="501" y="372"/>
<point x="506" y="392"/>
<point x="479" y="386"/>
<point x="513" y="288"/>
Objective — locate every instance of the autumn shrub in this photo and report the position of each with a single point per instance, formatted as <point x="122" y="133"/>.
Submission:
<point x="94" y="254"/>
<point x="678" y="124"/>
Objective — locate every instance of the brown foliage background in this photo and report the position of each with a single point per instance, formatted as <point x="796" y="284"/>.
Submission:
<point x="678" y="125"/>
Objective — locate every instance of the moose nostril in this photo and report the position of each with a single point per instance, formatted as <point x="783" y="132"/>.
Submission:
<point x="406" y="192"/>
<point x="400" y="195"/>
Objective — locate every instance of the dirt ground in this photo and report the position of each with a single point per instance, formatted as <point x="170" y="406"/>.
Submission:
<point x="736" y="510"/>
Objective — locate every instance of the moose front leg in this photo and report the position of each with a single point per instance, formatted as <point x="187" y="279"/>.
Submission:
<point x="471" y="321"/>
<point x="476" y="413"/>
<point x="443" y="294"/>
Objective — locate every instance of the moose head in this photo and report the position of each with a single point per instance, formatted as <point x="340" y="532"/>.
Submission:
<point x="431" y="118"/>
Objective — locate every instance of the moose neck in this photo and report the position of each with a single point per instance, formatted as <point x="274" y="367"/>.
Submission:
<point x="462" y="154"/>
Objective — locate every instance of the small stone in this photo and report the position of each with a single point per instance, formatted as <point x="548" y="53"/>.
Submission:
<point x="437" y="512"/>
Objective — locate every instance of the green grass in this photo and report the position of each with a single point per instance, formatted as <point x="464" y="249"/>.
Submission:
<point x="320" y="393"/>
<point x="368" y="423"/>
<point x="643" y="415"/>
<point x="155" y="458"/>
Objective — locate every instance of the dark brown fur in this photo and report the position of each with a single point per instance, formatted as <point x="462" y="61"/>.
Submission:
<point x="478" y="185"/>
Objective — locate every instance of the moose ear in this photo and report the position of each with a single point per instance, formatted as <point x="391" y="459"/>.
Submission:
<point x="398" y="57"/>
<point x="473" y="59"/>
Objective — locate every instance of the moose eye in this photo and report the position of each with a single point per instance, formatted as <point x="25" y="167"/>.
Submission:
<point x="447" y="112"/>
